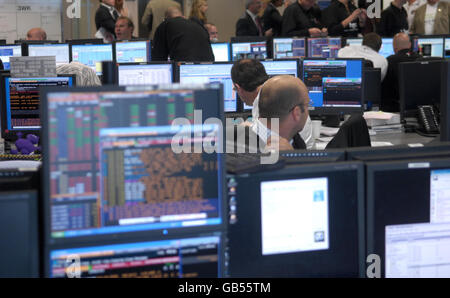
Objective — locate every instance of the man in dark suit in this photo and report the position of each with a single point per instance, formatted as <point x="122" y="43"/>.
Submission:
<point x="106" y="16"/>
<point x="181" y="40"/>
<point x="250" y="24"/>
<point x="272" y="19"/>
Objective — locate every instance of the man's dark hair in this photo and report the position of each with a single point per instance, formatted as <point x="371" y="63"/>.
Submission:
<point x="129" y="21"/>
<point x="372" y="40"/>
<point x="249" y="74"/>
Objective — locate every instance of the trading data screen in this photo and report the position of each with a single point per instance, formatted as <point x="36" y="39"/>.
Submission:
<point x="221" y="51"/>
<point x="323" y="47"/>
<point x="197" y="257"/>
<point x="447" y="48"/>
<point x="22" y="100"/>
<point x="92" y="55"/>
<point x="249" y="50"/>
<point x="113" y="169"/>
<point x="145" y="74"/>
<point x="60" y="51"/>
<point x="387" y="49"/>
<point x="333" y="83"/>
<point x="440" y="196"/>
<point x="288" y="48"/>
<point x="210" y="73"/>
<point x="133" y="51"/>
<point x="429" y="47"/>
<point x="9" y="51"/>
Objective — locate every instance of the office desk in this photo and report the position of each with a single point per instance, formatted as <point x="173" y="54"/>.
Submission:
<point x="401" y="138"/>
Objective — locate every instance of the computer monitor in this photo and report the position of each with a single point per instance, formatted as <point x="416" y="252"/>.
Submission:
<point x="429" y="46"/>
<point x="60" y="51"/>
<point x="91" y="55"/>
<point x="372" y="85"/>
<point x="334" y="85"/>
<point x="221" y="51"/>
<point x="7" y="51"/>
<point x="445" y="102"/>
<point x="415" y="90"/>
<point x="304" y="221"/>
<point x="250" y="50"/>
<point x="398" y="193"/>
<point x="19" y="231"/>
<point x="387" y="48"/>
<point x="133" y="51"/>
<point x="353" y="41"/>
<point x="145" y="73"/>
<point x="187" y="257"/>
<point x="447" y="47"/>
<point x="220" y="72"/>
<point x="288" y="48"/>
<point x="278" y="67"/>
<point x="21" y="106"/>
<point x="418" y="250"/>
<point x="113" y="168"/>
<point x="326" y="47"/>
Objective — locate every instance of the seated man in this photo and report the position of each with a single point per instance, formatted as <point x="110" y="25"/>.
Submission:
<point x="124" y="29"/>
<point x="371" y="44"/>
<point x="181" y="40"/>
<point x="284" y="99"/>
<point x="249" y="76"/>
<point x="213" y="32"/>
<point x="389" y="88"/>
<point x="36" y="34"/>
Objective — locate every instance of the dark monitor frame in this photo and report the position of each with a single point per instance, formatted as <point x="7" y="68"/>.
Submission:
<point x="300" y="172"/>
<point x="3" y="132"/>
<point x="406" y="81"/>
<point x="333" y="111"/>
<point x="445" y="102"/>
<point x="250" y="39"/>
<point x="325" y="37"/>
<point x="374" y="235"/>
<point x="13" y="45"/>
<point x="414" y="37"/>
<point x="372" y="85"/>
<point x="286" y="38"/>
<point x="71" y="44"/>
<point x="26" y="43"/>
<point x="147" y="63"/>
<point x="25" y="47"/>
<point x="149" y="49"/>
<point x="50" y="243"/>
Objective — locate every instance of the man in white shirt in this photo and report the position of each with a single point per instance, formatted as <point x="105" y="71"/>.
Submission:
<point x="432" y="18"/>
<point x="249" y="76"/>
<point x="411" y="7"/>
<point x="368" y="50"/>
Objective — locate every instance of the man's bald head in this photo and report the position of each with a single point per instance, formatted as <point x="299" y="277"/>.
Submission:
<point x="173" y="12"/>
<point x="36" y="34"/>
<point x="401" y="42"/>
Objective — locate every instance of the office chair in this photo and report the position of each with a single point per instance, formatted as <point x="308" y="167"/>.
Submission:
<point x="353" y="133"/>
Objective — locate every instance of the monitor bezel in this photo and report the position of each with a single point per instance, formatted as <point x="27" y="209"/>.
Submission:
<point x="228" y="50"/>
<point x="118" y="65"/>
<point x="148" y="45"/>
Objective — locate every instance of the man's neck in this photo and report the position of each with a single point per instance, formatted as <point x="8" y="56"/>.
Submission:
<point x="397" y="3"/>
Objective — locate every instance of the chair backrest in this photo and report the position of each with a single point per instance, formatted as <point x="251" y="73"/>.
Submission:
<point x="353" y="133"/>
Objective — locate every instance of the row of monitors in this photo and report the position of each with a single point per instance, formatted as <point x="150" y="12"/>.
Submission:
<point x="90" y="54"/>
<point x="335" y="86"/>
<point x="319" y="220"/>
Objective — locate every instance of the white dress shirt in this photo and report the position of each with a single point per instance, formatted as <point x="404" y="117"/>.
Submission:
<point x="411" y="10"/>
<point x="360" y="51"/>
<point x="430" y="16"/>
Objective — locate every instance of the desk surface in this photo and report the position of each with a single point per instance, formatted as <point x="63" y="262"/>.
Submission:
<point x="401" y="138"/>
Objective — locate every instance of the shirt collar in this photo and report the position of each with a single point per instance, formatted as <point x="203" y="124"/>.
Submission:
<point x="253" y="16"/>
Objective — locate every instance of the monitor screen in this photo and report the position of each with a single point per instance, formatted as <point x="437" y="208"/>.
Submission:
<point x="145" y="74"/>
<point x="111" y="168"/>
<point x="327" y="47"/>
<point x="7" y="51"/>
<point x="250" y="50"/>
<point x="194" y="257"/>
<point x="335" y="85"/>
<point x="60" y="51"/>
<point x="398" y="193"/>
<point x="440" y="196"/>
<point x="429" y="46"/>
<point x="417" y="90"/>
<point x="22" y="101"/>
<point x="289" y="48"/>
<point x="221" y="51"/>
<point x="447" y="48"/>
<point x="278" y="67"/>
<point x="353" y="41"/>
<point x="133" y="51"/>
<point x="209" y="73"/>
<point x="418" y="251"/>
<point x="387" y="49"/>
<point x="92" y="55"/>
<point x="302" y="221"/>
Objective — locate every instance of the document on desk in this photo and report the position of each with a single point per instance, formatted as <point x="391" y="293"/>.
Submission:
<point x="381" y="144"/>
<point x="329" y="131"/>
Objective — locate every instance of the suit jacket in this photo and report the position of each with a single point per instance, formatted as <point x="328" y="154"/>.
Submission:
<point x="246" y="27"/>
<point x="155" y="12"/>
<point x="441" y="23"/>
<point x="272" y="20"/>
<point x="103" y="18"/>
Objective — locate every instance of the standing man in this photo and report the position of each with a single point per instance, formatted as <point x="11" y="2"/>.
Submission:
<point x="394" y="19"/>
<point x="432" y="18"/>
<point x="302" y="19"/>
<point x="105" y="19"/>
<point x="250" y="24"/>
<point x="411" y="6"/>
<point x="272" y="19"/>
<point x="155" y="12"/>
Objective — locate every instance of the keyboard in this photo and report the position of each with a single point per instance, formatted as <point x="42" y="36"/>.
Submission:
<point x="311" y="156"/>
<point x="240" y="163"/>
